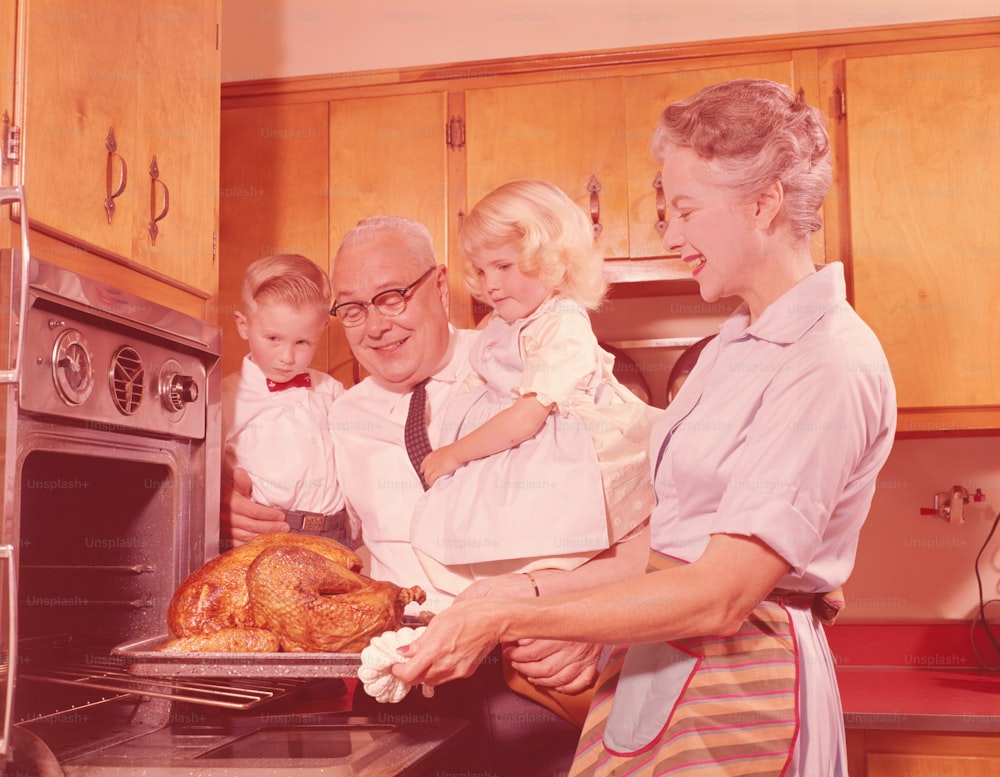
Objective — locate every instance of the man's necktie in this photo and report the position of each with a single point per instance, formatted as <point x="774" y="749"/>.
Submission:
<point x="418" y="444"/>
<point x="302" y="379"/>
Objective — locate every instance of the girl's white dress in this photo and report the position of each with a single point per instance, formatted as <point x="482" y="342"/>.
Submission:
<point x="562" y="496"/>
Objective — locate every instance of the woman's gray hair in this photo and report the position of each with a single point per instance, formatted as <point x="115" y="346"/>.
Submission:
<point x="753" y="133"/>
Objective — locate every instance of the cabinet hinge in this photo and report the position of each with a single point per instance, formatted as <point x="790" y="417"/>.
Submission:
<point x="839" y="104"/>
<point x="11" y="141"/>
<point x="215" y="247"/>
<point x="455" y="132"/>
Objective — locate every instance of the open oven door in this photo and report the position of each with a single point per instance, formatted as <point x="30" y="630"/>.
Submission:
<point x="8" y="641"/>
<point x="13" y="295"/>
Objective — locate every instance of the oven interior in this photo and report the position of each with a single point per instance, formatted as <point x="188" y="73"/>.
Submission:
<point x="96" y="556"/>
<point x="98" y="563"/>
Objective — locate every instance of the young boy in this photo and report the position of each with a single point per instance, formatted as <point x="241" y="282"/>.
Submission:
<point x="275" y="410"/>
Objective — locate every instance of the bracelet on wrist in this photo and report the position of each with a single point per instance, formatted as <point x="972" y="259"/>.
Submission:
<point x="534" y="583"/>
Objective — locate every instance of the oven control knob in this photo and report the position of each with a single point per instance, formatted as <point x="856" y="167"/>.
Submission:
<point x="180" y="390"/>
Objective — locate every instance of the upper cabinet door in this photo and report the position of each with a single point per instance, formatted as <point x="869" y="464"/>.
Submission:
<point x="274" y="199"/>
<point x="924" y="152"/>
<point x="82" y="85"/>
<point x="570" y="133"/>
<point x="388" y="157"/>
<point x="108" y="88"/>
<point x="178" y="126"/>
<point x="645" y="98"/>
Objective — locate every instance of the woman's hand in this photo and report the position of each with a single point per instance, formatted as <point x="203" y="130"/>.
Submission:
<point x="438" y="463"/>
<point x="454" y="645"/>
<point x="513" y="586"/>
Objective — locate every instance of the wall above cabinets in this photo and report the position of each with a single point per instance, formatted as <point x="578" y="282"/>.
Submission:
<point x="911" y="193"/>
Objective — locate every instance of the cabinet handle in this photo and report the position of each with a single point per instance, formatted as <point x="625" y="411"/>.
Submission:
<point x="154" y="174"/>
<point x="661" y="206"/>
<point x="113" y="193"/>
<point x="20" y="273"/>
<point x="594" y="187"/>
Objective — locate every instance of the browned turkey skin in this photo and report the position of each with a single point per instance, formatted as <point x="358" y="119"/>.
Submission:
<point x="304" y="590"/>
<point x="313" y="604"/>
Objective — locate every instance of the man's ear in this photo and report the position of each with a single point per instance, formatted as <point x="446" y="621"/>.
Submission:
<point x="444" y="290"/>
<point x="768" y="205"/>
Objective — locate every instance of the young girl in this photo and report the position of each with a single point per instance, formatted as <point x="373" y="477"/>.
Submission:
<point x="548" y="464"/>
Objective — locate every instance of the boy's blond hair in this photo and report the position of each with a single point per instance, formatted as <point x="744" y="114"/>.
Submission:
<point x="287" y="278"/>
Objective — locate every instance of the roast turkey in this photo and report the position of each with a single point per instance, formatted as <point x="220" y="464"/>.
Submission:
<point x="313" y="604"/>
<point x="304" y="590"/>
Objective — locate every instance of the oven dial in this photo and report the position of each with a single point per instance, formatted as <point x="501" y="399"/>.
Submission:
<point x="72" y="367"/>
<point x="177" y="390"/>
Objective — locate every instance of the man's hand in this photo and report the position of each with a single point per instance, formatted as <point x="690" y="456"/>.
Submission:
<point x="569" y="667"/>
<point x="243" y="519"/>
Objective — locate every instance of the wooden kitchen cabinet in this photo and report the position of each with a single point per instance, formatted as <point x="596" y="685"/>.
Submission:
<point x="150" y="74"/>
<point x="645" y="98"/>
<point x="912" y="113"/>
<point x="922" y="156"/>
<point x="274" y="199"/>
<point x="585" y="134"/>
<point x="571" y="133"/>
<point x="887" y="753"/>
<point x="389" y="156"/>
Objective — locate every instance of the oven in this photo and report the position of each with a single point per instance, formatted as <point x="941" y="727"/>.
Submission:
<point x="111" y="459"/>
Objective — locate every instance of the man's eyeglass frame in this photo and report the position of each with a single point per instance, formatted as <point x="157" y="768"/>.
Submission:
<point x="396" y="307"/>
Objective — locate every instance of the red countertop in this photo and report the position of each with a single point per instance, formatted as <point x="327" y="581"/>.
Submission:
<point x="913" y="676"/>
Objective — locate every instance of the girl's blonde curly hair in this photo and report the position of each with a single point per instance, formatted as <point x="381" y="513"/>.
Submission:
<point x="552" y="235"/>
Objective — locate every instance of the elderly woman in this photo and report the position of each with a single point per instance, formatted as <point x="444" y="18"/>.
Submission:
<point x="764" y="468"/>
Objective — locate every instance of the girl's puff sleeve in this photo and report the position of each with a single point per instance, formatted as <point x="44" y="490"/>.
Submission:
<point x="560" y="354"/>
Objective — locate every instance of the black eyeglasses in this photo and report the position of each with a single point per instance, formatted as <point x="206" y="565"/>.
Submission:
<point x="390" y="302"/>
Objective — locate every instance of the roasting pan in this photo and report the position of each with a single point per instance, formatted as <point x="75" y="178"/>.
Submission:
<point x="140" y="657"/>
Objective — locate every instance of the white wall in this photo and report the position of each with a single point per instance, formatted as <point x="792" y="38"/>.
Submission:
<point x="283" y="38"/>
<point x="916" y="567"/>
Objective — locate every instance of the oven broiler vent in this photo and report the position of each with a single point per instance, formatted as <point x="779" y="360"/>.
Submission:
<point x="128" y="380"/>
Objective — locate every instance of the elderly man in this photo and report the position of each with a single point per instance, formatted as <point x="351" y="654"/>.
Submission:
<point x="392" y="297"/>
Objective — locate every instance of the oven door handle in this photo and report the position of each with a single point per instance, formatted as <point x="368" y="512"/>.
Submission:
<point x="12" y="371"/>
<point x="8" y="639"/>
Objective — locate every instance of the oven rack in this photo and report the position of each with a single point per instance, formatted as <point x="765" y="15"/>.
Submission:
<point x="227" y="694"/>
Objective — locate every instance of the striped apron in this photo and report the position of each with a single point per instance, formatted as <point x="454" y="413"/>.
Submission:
<point x="703" y="706"/>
